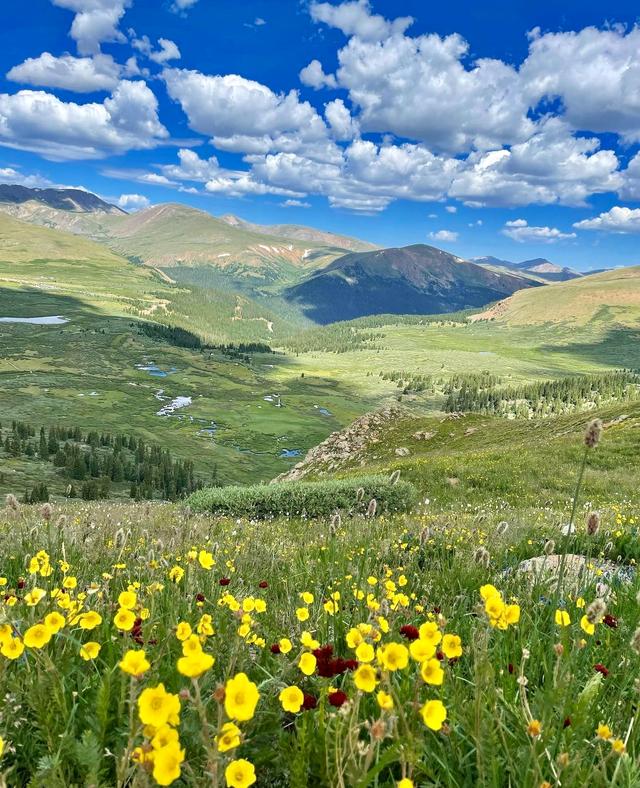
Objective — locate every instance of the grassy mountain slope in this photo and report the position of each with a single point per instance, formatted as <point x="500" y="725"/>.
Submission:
<point x="68" y="264"/>
<point x="302" y="233"/>
<point x="415" y="279"/>
<point x="460" y="460"/>
<point x="170" y="235"/>
<point x="612" y="298"/>
<point x="57" y="261"/>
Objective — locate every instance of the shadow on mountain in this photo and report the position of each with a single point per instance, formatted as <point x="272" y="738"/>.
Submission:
<point x="35" y="302"/>
<point x="618" y="347"/>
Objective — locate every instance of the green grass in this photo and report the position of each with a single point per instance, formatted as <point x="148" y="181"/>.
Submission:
<point x="516" y="353"/>
<point x="473" y="459"/>
<point x="71" y="722"/>
<point x="48" y="375"/>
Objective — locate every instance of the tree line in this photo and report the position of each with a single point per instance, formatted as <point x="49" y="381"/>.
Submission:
<point x="544" y="398"/>
<point x="181" y="337"/>
<point x="91" y="462"/>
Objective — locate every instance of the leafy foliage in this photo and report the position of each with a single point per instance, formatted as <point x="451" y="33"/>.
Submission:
<point x="313" y="499"/>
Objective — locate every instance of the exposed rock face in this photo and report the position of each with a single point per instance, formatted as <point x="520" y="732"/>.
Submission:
<point x="344" y="446"/>
<point x="402" y="451"/>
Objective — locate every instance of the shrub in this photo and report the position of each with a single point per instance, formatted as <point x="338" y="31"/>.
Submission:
<point x="315" y="499"/>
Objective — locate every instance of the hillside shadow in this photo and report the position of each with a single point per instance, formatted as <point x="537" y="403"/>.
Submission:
<point x="35" y="302"/>
<point x="617" y="347"/>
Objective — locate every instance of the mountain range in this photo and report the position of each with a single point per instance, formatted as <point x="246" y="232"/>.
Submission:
<point x="538" y="268"/>
<point x="297" y="272"/>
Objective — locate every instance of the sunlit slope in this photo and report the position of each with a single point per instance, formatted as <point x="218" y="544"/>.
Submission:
<point x="177" y="235"/>
<point x="42" y="259"/>
<point x="461" y="459"/>
<point x="611" y="298"/>
<point x="39" y="257"/>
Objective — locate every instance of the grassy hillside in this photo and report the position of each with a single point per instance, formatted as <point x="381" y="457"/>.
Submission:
<point x="169" y="235"/>
<point x="302" y="233"/>
<point x="460" y="460"/>
<point x="610" y="298"/>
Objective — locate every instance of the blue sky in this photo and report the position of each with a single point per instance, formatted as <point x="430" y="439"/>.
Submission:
<point x="510" y="128"/>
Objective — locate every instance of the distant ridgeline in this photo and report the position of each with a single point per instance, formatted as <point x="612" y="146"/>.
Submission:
<point x="482" y="394"/>
<point x="181" y="337"/>
<point x="93" y="463"/>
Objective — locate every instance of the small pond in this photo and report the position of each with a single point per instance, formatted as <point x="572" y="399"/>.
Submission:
<point x="286" y="453"/>
<point x="49" y="320"/>
<point x="155" y="371"/>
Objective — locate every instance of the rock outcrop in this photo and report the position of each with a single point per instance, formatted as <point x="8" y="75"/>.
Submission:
<point x="345" y="446"/>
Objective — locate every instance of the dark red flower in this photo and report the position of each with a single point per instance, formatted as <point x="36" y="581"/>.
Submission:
<point x="610" y="621"/>
<point x="309" y="702"/>
<point x="436" y="611"/>
<point x="263" y="584"/>
<point x="200" y="597"/>
<point x="338" y="698"/>
<point x="224" y="581"/>
<point x="510" y="667"/>
<point x="328" y="666"/>
<point x="21" y="583"/>
<point x="410" y="632"/>
<point x="275" y="648"/>
<point x="567" y="722"/>
<point x="601" y="669"/>
<point x="439" y="655"/>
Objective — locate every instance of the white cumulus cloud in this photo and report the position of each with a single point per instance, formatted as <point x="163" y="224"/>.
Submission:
<point x="313" y="75"/>
<point x="133" y="202"/>
<point x="78" y="74"/>
<point x="447" y="236"/>
<point x="520" y="230"/>
<point x="242" y="115"/>
<point x="13" y="176"/>
<point x="354" y="18"/>
<point x="95" y="21"/>
<point x="37" y="121"/>
<point x="617" y="220"/>
<point x="167" y="50"/>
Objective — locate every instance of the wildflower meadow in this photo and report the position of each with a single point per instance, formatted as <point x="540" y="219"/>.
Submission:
<point x="147" y="645"/>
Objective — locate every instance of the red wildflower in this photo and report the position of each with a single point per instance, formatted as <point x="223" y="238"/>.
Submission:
<point x="610" y="621"/>
<point x="275" y="648"/>
<point x="439" y="655"/>
<point x="601" y="669"/>
<point x="263" y="584"/>
<point x="567" y="722"/>
<point x="200" y="597"/>
<point x="224" y="581"/>
<point x="338" y="698"/>
<point x="410" y="632"/>
<point x="309" y="702"/>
